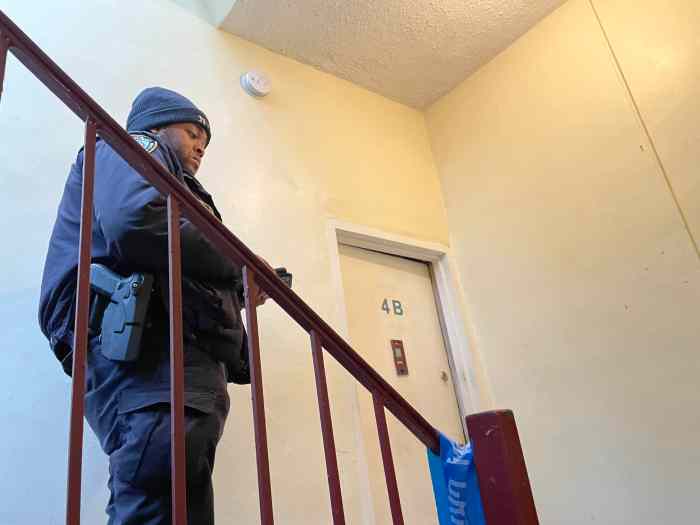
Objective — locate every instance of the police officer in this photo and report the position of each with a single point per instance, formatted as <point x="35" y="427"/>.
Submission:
<point x="127" y="403"/>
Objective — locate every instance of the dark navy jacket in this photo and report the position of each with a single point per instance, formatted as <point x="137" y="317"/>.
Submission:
<point x="129" y="235"/>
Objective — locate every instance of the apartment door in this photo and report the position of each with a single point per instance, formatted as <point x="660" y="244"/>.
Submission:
<point x="394" y="324"/>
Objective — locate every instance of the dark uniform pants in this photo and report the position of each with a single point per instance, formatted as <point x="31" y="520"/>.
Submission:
<point x="139" y="481"/>
<point x="128" y="407"/>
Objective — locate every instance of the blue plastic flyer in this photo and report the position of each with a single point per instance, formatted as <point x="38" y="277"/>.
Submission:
<point x="455" y="484"/>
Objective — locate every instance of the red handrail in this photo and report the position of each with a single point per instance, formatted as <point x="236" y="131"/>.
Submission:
<point x="256" y="275"/>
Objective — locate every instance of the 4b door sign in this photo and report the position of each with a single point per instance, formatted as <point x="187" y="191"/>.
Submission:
<point x="395" y="307"/>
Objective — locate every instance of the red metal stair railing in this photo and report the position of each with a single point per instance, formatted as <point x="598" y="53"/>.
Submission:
<point x="177" y="397"/>
<point x="327" y="431"/>
<point x="501" y="469"/>
<point x="263" y="461"/>
<point x="81" y="325"/>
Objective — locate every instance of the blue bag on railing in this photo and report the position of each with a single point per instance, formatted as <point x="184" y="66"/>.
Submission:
<point x="455" y="485"/>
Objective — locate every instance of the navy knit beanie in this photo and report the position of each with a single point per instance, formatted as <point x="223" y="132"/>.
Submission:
<point x="157" y="107"/>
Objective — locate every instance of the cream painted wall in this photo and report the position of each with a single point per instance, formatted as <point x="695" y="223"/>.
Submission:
<point x="659" y="52"/>
<point x="582" y="283"/>
<point x="280" y="167"/>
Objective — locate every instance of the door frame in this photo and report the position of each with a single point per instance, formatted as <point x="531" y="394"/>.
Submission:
<point x="448" y="300"/>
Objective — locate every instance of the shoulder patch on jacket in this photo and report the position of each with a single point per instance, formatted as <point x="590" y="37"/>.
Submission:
<point x="146" y="142"/>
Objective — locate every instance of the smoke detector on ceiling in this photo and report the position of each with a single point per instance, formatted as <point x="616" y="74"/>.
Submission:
<point x="255" y="83"/>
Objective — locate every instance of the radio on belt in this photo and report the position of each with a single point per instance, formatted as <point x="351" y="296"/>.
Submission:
<point x="399" y="354"/>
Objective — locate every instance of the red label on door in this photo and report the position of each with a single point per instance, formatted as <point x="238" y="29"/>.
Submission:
<point x="399" y="354"/>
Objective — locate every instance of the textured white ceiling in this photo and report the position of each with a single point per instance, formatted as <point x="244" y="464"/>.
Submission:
<point x="412" y="51"/>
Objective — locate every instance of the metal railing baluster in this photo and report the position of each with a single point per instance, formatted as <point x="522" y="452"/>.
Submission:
<point x="261" y="452"/>
<point x="4" y="48"/>
<point x="327" y="431"/>
<point x="388" y="460"/>
<point x="177" y="379"/>
<point x="80" y="337"/>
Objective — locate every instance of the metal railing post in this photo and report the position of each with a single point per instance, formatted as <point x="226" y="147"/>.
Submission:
<point x="177" y="379"/>
<point x="80" y="337"/>
<point x="327" y="431"/>
<point x="261" y="452"/>
<point x="4" y="48"/>
<point x="500" y="467"/>
<point x="392" y="486"/>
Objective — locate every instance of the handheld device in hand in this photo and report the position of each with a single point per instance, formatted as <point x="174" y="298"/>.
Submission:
<point x="283" y="274"/>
